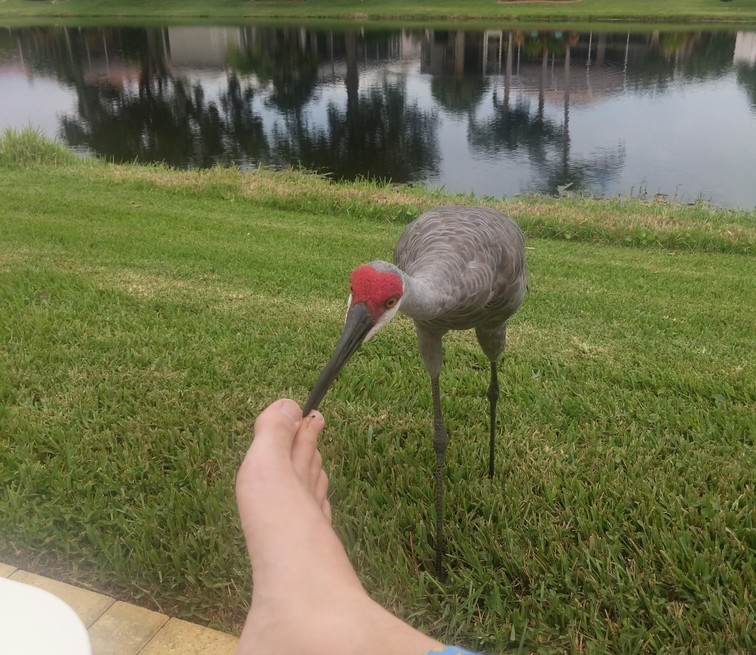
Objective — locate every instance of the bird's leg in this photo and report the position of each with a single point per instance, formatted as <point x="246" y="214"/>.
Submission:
<point x="493" y="397"/>
<point x="439" y="446"/>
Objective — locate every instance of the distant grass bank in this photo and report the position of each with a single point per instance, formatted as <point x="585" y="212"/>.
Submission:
<point x="149" y="314"/>
<point x="423" y="10"/>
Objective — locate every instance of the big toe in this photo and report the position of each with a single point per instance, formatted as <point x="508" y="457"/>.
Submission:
<point x="277" y="425"/>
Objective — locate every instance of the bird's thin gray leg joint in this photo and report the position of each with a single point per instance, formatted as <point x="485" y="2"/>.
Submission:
<point x="439" y="446"/>
<point x="493" y="397"/>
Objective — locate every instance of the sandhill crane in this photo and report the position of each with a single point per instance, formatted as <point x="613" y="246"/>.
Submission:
<point x="455" y="268"/>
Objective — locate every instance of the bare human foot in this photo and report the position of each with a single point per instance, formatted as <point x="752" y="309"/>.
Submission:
<point x="307" y="599"/>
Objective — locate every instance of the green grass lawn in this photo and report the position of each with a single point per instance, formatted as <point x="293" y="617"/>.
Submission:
<point x="149" y="315"/>
<point x="638" y="10"/>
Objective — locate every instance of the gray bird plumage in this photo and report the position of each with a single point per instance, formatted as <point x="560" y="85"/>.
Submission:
<point x="469" y="262"/>
<point x="461" y="268"/>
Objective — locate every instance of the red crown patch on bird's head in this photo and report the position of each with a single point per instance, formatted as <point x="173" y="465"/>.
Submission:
<point x="380" y="291"/>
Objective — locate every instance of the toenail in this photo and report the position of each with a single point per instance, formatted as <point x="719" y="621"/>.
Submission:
<point x="291" y="412"/>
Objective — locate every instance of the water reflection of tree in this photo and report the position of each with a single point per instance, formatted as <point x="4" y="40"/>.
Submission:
<point x="282" y="62"/>
<point x="454" y="59"/>
<point x="516" y="129"/>
<point x="659" y="58"/>
<point x="139" y="110"/>
<point x="520" y="130"/>
<point x="169" y="121"/>
<point x="379" y="134"/>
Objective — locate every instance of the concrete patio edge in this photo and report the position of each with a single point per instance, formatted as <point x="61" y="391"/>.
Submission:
<point x="118" y="628"/>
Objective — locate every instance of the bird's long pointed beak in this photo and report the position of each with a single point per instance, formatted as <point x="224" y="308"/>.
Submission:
<point x="356" y="327"/>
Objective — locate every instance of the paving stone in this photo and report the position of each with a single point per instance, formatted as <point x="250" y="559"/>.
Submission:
<point x="117" y="628"/>
<point x="124" y="629"/>
<point x="180" y="637"/>
<point x="89" y="605"/>
<point x="6" y="570"/>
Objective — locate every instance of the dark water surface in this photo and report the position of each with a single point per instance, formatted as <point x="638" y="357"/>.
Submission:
<point x="489" y="112"/>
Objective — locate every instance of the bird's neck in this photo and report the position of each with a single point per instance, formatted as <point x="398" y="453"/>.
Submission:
<point x="421" y="298"/>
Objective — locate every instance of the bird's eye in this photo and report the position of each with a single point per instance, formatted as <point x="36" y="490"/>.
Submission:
<point x="391" y="302"/>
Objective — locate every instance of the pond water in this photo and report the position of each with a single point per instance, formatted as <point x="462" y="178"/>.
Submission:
<point x="492" y="112"/>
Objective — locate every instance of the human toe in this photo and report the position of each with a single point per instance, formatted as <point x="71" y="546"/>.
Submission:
<point x="304" y="454"/>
